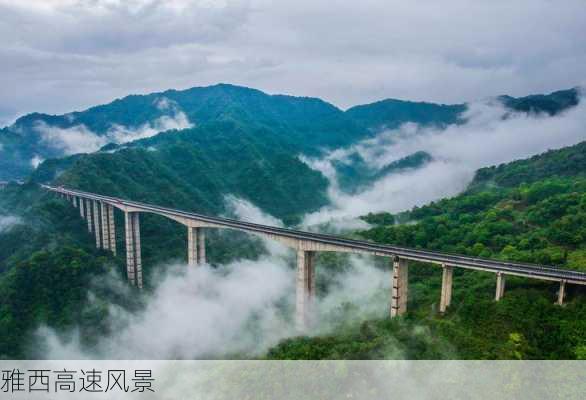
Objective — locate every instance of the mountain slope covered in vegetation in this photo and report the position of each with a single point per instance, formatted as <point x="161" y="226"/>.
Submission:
<point x="531" y="210"/>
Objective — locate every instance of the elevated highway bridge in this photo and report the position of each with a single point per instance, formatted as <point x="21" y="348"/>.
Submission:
<point x="98" y="210"/>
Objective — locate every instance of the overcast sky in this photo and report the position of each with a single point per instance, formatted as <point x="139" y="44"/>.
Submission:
<point x="63" y="55"/>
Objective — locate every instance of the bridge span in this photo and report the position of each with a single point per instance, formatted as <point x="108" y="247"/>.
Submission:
<point x="98" y="211"/>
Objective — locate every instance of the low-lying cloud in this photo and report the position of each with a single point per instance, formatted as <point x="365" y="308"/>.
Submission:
<point x="197" y="313"/>
<point x="236" y="310"/>
<point x="8" y="221"/>
<point x="487" y="138"/>
<point x="244" y="210"/>
<point x="176" y="120"/>
<point x="80" y="139"/>
<point x="77" y="139"/>
<point x="36" y="161"/>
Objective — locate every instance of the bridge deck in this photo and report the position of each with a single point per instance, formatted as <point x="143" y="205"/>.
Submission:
<point x="360" y="246"/>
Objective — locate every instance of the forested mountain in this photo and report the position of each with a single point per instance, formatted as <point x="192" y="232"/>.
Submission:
<point x="530" y="210"/>
<point x="551" y="104"/>
<point x="390" y="113"/>
<point x="566" y="162"/>
<point x="298" y="124"/>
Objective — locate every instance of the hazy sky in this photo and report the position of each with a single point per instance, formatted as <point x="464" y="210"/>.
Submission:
<point x="61" y="55"/>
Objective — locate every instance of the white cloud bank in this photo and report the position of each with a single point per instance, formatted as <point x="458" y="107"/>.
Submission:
<point x="244" y="210"/>
<point x="486" y="139"/>
<point x="80" y="139"/>
<point x="77" y="139"/>
<point x="176" y="120"/>
<point x="8" y="221"/>
<point x="242" y="308"/>
<point x="36" y="161"/>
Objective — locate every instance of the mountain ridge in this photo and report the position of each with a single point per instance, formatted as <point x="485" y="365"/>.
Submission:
<point x="301" y="124"/>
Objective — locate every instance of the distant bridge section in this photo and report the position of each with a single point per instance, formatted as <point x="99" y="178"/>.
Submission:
<point x="98" y="211"/>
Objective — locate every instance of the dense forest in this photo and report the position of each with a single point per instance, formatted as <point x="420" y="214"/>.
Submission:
<point x="531" y="210"/>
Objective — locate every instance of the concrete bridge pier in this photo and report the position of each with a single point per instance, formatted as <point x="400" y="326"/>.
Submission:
<point x="500" y="286"/>
<point x="74" y="201"/>
<point x="88" y="209"/>
<point x="133" y="253"/>
<point x="201" y="246"/>
<point x="81" y="208"/>
<point x="192" y="246"/>
<point x="105" y="226"/>
<point x="446" y="295"/>
<point x="196" y="249"/>
<point x="111" y="228"/>
<point x="400" y="287"/>
<point x="305" y="289"/>
<point x="561" y="293"/>
<point x="97" y="229"/>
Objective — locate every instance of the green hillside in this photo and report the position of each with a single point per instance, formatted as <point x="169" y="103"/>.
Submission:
<point x="195" y="168"/>
<point x="390" y="113"/>
<point x="551" y="104"/>
<point x="531" y="210"/>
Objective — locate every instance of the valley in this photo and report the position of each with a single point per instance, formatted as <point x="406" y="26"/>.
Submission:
<point x="393" y="172"/>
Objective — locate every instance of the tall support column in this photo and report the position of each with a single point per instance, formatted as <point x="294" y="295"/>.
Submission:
<point x="111" y="228"/>
<point x="81" y="208"/>
<point x="88" y="209"/>
<point x="446" y="296"/>
<point x="105" y="226"/>
<point x="74" y="201"/>
<point x="192" y="245"/>
<point x="97" y="229"/>
<point x="130" y="248"/>
<point x="399" y="287"/>
<point x="201" y="246"/>
<point x="305" y="289"/>
<point x="133" y="252"/>
<point x="137" y="256"/>
<point x="500" y="286"/>
<point x="562" y="293"/>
